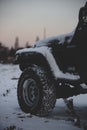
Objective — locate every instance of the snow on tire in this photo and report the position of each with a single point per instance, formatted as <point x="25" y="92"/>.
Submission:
<point x="36" y="93"/>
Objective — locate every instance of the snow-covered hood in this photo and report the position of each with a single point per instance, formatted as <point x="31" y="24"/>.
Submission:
<point x="60" y="38"/>
<point x="45" y="42"/>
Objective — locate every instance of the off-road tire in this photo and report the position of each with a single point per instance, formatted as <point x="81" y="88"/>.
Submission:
<point x="45" y="99"/>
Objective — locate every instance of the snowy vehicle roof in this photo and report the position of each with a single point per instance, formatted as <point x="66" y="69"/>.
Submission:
<point x="60" y="39"/>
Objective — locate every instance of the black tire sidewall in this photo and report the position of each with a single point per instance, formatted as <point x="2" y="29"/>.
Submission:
<point x="26" y="75"/>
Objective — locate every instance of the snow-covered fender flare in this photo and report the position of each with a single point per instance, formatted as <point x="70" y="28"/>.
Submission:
<point x="43" y="56"/>
<point x="27" y="57"/>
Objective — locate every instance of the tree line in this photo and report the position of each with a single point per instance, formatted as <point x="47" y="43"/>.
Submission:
<point x="7" y="55"/>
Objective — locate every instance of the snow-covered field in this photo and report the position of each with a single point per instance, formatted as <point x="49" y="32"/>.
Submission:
<point x="12" y="118"/>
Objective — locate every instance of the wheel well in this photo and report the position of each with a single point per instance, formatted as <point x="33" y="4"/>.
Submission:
<point x="35" y="58"/>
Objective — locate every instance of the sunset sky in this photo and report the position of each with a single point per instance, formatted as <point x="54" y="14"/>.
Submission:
<point x="28" y="18"/>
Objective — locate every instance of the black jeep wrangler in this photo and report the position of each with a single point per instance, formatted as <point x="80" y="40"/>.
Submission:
<point x="53" y="68"/>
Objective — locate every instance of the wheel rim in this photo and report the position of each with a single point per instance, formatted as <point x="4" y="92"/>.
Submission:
<point x="30" y="92"/>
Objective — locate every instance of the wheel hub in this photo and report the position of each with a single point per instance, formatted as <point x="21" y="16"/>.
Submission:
<point x="30" y="92"/>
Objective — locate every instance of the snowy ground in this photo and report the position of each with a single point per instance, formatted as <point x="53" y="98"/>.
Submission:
<point x="12" y="118"/>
